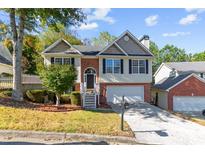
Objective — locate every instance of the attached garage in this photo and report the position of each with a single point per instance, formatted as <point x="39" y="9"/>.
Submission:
<point x="132" y="93"/>
<point x="185" y="92"/>
<point x="188" y="103"/>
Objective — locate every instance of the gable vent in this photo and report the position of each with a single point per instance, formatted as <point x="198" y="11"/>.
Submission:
<point x="126" y="38"/>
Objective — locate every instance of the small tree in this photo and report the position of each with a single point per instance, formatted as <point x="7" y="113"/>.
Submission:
<point x="58" y="78"/>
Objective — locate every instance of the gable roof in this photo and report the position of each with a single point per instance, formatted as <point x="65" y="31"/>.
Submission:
<point x="66" y="47"/>
<point x="63" y="47"/>
<point x="170" y="82"/>
<point x="187" y="66"/>
<point x="5" y="61"/>
<point x="5" y="55"/>
<point x="145" y="49"/>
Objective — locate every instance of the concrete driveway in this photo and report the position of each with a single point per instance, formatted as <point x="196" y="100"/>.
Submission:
<point x="153" y="125"/>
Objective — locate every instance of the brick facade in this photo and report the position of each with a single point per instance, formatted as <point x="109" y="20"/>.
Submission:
<point x="103" y="88"/>
<point x="190" y="87"/>
<point x="86" y="63"/>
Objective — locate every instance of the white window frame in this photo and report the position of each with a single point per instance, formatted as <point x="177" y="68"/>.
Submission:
<point x="63" y="59"/>
<point x="138" y="66"/>
<point x="113" y="66"/>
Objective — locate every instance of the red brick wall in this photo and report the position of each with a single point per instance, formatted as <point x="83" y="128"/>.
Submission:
<point x="190" y="87"/>
<point x="85" y="63"/>
<point x="77" y="87"/>
<point x="103" y="88"/>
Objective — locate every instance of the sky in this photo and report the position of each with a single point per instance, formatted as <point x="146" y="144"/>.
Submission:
<point x="184" y="28"/>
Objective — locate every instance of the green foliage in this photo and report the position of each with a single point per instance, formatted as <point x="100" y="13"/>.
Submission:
<point x="30" y="54"/>
<point x="49" y="36"/>
<point x="58" y="78"/>
<point x="6" y="93"/>
<point x="169" y="53"/>
<point x="36" y="18"/>
<point x="38" y="96"/>
<point x="199" y="56"/>
<point x="65" y="99"/>
<point x="103" y="39"/>
<point x="75" y="98"/>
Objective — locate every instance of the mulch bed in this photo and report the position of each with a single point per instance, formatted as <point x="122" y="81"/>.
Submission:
<point x="61" y="108"/>
<point x="41" y="107"/>
<point x="7" y="101"/>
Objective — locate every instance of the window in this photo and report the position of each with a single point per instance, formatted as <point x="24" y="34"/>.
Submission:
<point x="67" y="61"/>
<point x="116" y="66"/>
<point x="138" y="66"/>
<point x="61" y="61"/>
<point x="142" y="66"/>
<point x="113" y="66"/>
<point x="135" y="68"/>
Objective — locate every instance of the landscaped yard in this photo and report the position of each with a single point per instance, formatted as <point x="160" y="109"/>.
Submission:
<point x="80" y="121"/>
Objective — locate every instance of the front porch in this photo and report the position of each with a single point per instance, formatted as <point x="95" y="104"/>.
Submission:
<point x="89" y="89"/>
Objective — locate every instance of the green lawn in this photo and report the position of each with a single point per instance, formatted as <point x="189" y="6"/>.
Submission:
<point x="81" y="121"/>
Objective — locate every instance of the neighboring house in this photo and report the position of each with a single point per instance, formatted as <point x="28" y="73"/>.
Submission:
<point x="5" y="60"/>
<point x="123" y="68"/>
<point x="180" y="86"/>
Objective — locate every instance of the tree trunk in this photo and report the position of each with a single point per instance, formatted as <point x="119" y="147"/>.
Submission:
<point x="17" y="54"/>
<point x="58" y="99"/>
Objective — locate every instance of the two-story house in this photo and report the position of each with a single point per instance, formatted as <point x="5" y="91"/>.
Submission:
<point x="122" y="68"/>
<point x="180" y="86"/>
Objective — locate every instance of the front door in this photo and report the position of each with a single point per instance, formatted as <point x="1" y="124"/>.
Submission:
<point x="90" y="81"/>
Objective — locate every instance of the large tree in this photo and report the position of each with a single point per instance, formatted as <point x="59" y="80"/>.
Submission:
<point x="30" y="20"/>
<point x="199" y="56"/>
<point x="103" y="39"/>
<point x="49" y="36"/>
<point x="58" y="78"/>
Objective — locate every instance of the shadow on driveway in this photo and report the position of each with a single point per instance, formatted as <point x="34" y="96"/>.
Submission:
<point x="145" y="109"/>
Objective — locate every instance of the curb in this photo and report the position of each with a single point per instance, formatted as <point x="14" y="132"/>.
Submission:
<point x="65" y="136"/>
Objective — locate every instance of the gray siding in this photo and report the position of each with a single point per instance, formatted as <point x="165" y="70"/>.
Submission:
<point x="61" y="47"/>
<point x="113" y="50"/>
<point x="130" y="46"/>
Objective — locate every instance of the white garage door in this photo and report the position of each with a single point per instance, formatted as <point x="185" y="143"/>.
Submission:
<point x="131" y="93"/>
<point x="188" y="103"/>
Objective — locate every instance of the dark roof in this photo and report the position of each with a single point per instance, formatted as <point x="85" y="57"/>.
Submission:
<point x="5" y="61"/>
<point x="167" y="83"/>
<point x="88" y="49"/>
<point x="67" y="48"/>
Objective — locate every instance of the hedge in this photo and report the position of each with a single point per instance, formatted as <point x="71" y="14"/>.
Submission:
<point x="38" y="96"/>
<point x="6" y="93"/>
<point x="75" y="98"/>
<point x="65" y="99"/>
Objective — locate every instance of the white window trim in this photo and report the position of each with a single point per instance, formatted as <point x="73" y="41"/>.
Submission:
<point x="112" y="65"/>
<point x="63" y="58"/>
<point x="138" y="66"/>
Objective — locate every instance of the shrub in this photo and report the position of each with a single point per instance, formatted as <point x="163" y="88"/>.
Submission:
<point x="65" y="99"/>
<point x="75" y="98"/>
<point x="6" y="93"/>
<point x="36" y="95"/>
<point x="51" y="96"/>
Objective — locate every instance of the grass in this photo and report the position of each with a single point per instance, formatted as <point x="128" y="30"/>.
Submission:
<point x="81" y="121"/>
<point x="199" y="121"/>
<point x="193" y="119"/>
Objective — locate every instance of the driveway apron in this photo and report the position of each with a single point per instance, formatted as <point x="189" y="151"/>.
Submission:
<point x="153" y="125"/>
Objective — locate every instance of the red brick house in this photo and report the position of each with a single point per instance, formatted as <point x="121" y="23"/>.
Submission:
<point x="105" y="74"/>
<point x="180" y="86"/>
